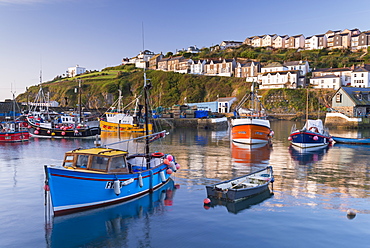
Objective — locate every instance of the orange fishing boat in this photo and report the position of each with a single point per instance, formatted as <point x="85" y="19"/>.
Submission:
<point x="250" y="125"/>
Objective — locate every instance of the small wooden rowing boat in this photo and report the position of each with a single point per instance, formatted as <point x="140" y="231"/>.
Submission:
<point x="242" y="187"/>
<point x="238" y="206"/>
<point x="363" y="141"/>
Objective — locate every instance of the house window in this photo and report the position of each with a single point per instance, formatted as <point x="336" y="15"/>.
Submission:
<point x="338" y="98"/>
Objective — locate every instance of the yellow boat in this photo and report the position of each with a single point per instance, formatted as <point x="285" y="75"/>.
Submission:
<point x="114" y="127"/>
<point x="117" y="119"/>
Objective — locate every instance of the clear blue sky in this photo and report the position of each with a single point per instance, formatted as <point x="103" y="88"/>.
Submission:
<point x="52" y="35"/>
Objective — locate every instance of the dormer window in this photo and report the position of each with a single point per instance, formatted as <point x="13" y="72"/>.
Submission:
<point x="359" y="96"/>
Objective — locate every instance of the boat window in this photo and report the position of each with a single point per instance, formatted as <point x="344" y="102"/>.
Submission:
<point x="99" y="163"/>
<point x="68" y="160"/>
<point x="82" y="161"/>
<point x="118" y="163"/>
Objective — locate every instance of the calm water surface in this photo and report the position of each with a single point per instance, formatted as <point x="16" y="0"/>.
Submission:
<point x="311" y="195"/>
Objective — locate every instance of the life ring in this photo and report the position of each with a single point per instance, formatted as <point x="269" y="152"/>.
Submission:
<point x="157" y="154"/>
<point x="314" y="129"/>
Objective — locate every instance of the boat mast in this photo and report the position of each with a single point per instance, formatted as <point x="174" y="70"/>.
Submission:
<point x="79" y="102"/>
<point x="307" y="106"/>
<point x="146" y="110"/>
<point x="119" y="101"/>
<point x="13" y="105"/>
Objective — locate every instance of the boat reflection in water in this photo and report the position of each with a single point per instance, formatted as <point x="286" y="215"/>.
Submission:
<point x="307" y="156"/>
<point x="101" y="225"/>
<point x="239" y="206"/>
<point x="250" y="154"/>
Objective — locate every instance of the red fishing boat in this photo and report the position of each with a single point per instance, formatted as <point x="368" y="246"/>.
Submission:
<point x="13" y="131"/>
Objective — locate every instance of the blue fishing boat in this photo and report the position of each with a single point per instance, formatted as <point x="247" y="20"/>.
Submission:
<point x="99" y="176"/>
<point x="356" y="141"/>
<point x="313" y="134"/>
<point x="99" y="224"/>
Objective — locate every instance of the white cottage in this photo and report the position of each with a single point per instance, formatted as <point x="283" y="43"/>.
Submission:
<point x="76" y="70"/>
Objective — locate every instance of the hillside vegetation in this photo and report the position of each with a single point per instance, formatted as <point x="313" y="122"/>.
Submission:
<point x="100" y="89"/>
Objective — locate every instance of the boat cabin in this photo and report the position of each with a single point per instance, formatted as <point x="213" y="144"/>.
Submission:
<point x="110" y="161"/>
<point x="12" y="126"/>
<point x="97" y="159"/>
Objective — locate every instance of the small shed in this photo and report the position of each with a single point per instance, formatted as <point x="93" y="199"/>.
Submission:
<point x="205" y="106"/>
<point x="224" y="104"/>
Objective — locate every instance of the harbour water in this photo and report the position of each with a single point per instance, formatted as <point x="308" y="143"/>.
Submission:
<point x="307" y="208"/>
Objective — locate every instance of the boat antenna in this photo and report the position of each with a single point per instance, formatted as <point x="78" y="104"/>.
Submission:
<point x="79" y="101"/>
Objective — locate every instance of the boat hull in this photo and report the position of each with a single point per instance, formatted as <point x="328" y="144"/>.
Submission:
<point x="307" y="139"/>
<point x="227" y="191"/>
<point x="10" y="137"/>
<point x="238" y="206"/>
<point x="351" y="141"/>
<point x="250" y="131"/>
<point x="94" y="224"/>
<point x="106" y="126"/>
<point x="73" y="190"/>
<point x="44" y="132"/>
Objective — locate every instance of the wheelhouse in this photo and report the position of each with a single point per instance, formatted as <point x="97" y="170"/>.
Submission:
<point x="97" y="160"/>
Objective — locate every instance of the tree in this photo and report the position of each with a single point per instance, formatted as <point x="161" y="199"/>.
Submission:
<point x="169" y="54"/>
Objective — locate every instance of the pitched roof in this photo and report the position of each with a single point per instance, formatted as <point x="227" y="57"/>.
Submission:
<point x="356" y="95"/>
<point x="7" y="106"/>
<point x="290" y="63"/>
<point x="281" y="72"/>
<point x="226" y="99"/>
<point x="337" y="69"/>
<point x="326" y="76"/>
<point x="273" y="64"/>
<point x="360" y="69"/>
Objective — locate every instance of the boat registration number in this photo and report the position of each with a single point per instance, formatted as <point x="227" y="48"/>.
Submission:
<point x="110" y="184"/>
